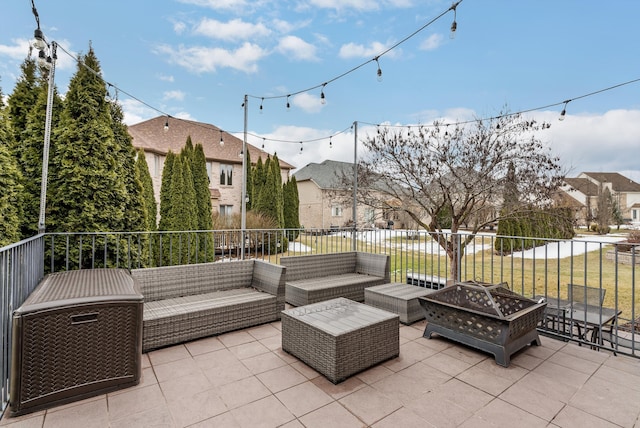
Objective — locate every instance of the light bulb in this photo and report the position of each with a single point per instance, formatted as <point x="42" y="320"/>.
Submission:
<point x="42" y="59"/>
<point x="562" y="114"/>
<point x="262" y="101"/>
<point x="379" y="74"/>
<point x="166" y="125"/>
<point x="288" y="105"/>
<point x="39" y="42"/>
<point x="323" y="100"/>
<point x="221" y="140"/>
<point x="330" y="143"/>
<point x="454" y="27"/>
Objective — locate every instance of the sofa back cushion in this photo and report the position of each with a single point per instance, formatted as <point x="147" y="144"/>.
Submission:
<point x="318" y="265"/>
<point x="185" y="280"/>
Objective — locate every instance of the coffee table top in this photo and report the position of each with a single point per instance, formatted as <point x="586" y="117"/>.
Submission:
<point x="339" y="316"/>
<point x="400" y="290"/>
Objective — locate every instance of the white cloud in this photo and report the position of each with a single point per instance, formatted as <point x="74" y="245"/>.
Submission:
<point x="179" y="27"/>
<point x="594" y="142"/>
<point x="166" y="78"/>
<point x="235" y="29"/>
<point x="285" y="27"/>
<point x="184" y="115"/>
<point x="432" y="42"/>
<point x="361" y="5"/>
<point x="218" y="4"/>
<point x="135" y="112"/>
<point x="307" y="102"/>
<point x="173" y="95"/>
<point x="18" y="50"/>
<point x="297" y="48"/>
<point x="201" y="59"/>
<point x="354" y="50"/>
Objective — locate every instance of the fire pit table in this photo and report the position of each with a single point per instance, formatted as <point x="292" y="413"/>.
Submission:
<point x="488" y="317"/>
<point x="340" y="337"/>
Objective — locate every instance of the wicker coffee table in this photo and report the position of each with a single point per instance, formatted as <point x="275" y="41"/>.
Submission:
<point x="340" y="337"/>
<point x="399" y="298"/>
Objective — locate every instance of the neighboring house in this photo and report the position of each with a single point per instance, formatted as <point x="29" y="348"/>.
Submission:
<point x="581" y="193"/>
<point x="224" y="160"/>
<point x="327" y="202"/>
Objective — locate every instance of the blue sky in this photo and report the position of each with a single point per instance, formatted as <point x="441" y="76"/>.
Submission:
<point x="197" y="59"/>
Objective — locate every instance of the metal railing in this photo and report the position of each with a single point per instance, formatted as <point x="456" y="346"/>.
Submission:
<point x="21" y="268"/>
<point x="416" y="258"/>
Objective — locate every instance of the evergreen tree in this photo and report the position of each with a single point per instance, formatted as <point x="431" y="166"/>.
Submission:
<point x="165" y="191"/>
<point x="279" y="198"/>
<point x="258" y="179"/>
<point x="134" y="219"/>
<point x="291" y="208"/>
<point x="203" y="200"/>
<point x="20" y="103"/>
<point x="150" y="204"/>
<point x="10" y="187"/>
<point x="87" y="187"/>
<point x="30" y="154"/>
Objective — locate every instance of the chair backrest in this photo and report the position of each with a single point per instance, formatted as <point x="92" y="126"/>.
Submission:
<point x="590" y="295"/>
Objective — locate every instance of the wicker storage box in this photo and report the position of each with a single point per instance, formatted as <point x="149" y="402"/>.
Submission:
<point x="488" y="317"/>
<point x="340" y="337"/>
<point x="79" y="334"/>
<point x="399" y="298"/>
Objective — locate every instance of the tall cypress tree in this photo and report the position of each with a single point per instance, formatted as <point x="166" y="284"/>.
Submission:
<point x="165" y="191"/>
<point x="134" y="219"/>
<point x="20" y="102"/>
<point x="150" y="204"/>
<point x="277" y="184"/>
<point x="257" y="178"/>
<point x="291" y="208"/>
<point x="10" y="187"/>
<point x="87" y="188"/>
<point x="203" y="200"/>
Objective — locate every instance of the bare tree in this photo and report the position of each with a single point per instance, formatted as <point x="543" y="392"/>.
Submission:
<point x="457" y="173"/>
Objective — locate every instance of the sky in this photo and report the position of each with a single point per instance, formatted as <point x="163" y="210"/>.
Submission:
<point x="197" y="59"/>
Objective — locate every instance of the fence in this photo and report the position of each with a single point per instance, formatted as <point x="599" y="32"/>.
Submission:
<point x="21" y="268"/>
<point x="416" y="258"/>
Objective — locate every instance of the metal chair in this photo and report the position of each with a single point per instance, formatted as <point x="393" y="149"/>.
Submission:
<point x="589" y="296"/>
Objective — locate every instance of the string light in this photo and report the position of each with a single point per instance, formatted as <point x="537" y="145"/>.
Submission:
<point x="300" y="147"/>
<point x="379" y="72"/>
<point x="221" y="140"/>
<point x="330" y="143"/>
<point x="263" y="140"/>
<point x="288" y="105"/>
<point x="261" y="102"/>
<point x="563" y="113"/>
<point x="166" y="124"/>
<point x="454" y="24"/>
<point x="323" y="100"/>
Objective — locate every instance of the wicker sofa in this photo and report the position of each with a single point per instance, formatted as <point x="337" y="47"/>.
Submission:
<point x="318" y="277"/>
<point x="187" y="302"/>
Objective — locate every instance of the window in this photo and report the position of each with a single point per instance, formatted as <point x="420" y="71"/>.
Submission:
<point x="209" y="170"/>
<point x="157" y="165"/>
<point x="635" y="214"/>
<point x="336" y="211"/>
<point x="226" y="174"/>
<point x="226" y="210"/>
<point x="369" y="215"/>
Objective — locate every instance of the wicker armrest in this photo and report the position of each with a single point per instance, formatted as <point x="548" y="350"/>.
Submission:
<point x="374" y="264"/>
<point x="269" y="278"/>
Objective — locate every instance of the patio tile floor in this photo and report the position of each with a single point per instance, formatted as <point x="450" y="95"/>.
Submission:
<point x="244" y="379"/>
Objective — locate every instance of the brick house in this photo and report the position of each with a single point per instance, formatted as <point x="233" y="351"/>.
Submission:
<point x="224" y="160"/>
<point x="582" y="193"/>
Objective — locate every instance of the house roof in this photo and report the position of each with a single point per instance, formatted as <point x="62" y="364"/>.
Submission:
<point x="619" y="183"/>
<point x="326" y="175"/>
<point x="583" y="185"/>
<point x="151" y="137"/>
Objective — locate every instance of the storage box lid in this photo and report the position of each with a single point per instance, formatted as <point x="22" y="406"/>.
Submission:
<point x="81" y="286"/>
